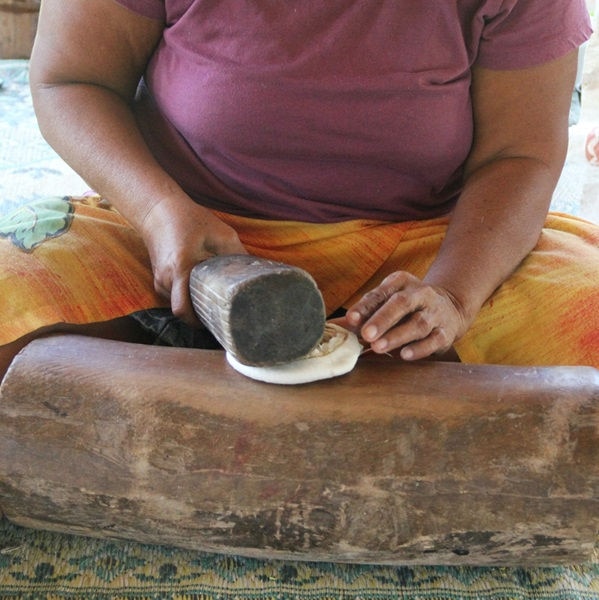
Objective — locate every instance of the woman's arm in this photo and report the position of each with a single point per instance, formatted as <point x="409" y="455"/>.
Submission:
<point x="86" y="64"/>
<point x="521" y="135"/>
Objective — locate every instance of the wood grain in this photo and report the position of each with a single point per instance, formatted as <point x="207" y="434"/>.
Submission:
<point x="432" y="463"/>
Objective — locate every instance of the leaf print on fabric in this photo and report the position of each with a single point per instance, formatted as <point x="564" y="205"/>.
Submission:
<point x="32" y="224"/>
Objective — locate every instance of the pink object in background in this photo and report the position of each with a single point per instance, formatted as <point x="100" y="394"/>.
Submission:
<point x="591" y="147"/>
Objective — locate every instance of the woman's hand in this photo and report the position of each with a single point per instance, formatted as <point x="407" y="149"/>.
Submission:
<point x="405" y="312"/>
<point x="178" y="236"/>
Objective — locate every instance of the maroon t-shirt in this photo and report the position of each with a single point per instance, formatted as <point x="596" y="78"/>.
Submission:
<point x="330" y="110"/>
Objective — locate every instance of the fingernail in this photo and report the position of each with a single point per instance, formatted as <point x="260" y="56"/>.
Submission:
<point x="407" y="353"/>
<point x="353" y="316"/>
<point x="380" y="345"/>
<point x="370" y="333"/>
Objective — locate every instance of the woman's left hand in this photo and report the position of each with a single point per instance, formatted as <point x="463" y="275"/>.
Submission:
<point x="405" y="312"/>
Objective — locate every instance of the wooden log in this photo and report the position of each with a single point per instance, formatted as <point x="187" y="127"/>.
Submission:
<point x="432" y="463"/>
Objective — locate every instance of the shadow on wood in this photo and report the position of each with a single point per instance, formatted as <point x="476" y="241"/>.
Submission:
<point x="433" y="463"/>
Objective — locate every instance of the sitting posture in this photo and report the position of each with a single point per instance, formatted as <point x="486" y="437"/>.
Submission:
<point x="404" y="153"/>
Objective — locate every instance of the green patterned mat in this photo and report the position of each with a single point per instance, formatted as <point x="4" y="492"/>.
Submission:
<point x="41" y="565"/>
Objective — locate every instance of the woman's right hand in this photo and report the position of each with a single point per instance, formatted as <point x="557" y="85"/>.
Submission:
<point x="179" y="235"/>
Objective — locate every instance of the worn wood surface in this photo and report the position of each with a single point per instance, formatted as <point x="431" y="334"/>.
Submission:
<point x="435" y="463"/>
<point x="262" y="311"/>
<point x="18" y="24"/>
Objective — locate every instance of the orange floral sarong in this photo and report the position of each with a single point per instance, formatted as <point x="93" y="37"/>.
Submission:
<point x="76" y="260"/>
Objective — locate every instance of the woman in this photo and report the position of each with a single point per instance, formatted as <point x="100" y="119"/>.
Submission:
<point x="404" y="153"/>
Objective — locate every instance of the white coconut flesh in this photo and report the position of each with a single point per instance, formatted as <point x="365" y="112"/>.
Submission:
<point x="336" y="354"/>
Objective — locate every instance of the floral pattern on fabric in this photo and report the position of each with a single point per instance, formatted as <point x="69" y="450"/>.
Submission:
<point x="31" y="225"/>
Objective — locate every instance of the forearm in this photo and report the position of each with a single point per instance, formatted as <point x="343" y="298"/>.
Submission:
<point x="496" y="223"/>
<point x="95" y="132"/>
<point x="518" y="151"/>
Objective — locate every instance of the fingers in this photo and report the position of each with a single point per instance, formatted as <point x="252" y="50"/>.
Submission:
<point x="438" y="341"/>
<point x="174" y="286"/>
<point x="403" y="312"/>
<point x="171" y="279"/>
<point x="381" y="307"/>
<point x="179" y="234"/>
<point x="181" y="303"/>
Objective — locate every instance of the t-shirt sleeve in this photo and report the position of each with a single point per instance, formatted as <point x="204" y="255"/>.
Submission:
<point x="153" y="9"/>
<point x="525" y="33"/>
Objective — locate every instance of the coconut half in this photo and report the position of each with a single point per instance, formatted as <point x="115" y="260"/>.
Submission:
<point x="336" y="354"/>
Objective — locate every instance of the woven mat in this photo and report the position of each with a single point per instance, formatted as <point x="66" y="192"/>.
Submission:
<point x="38" y="565"/>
